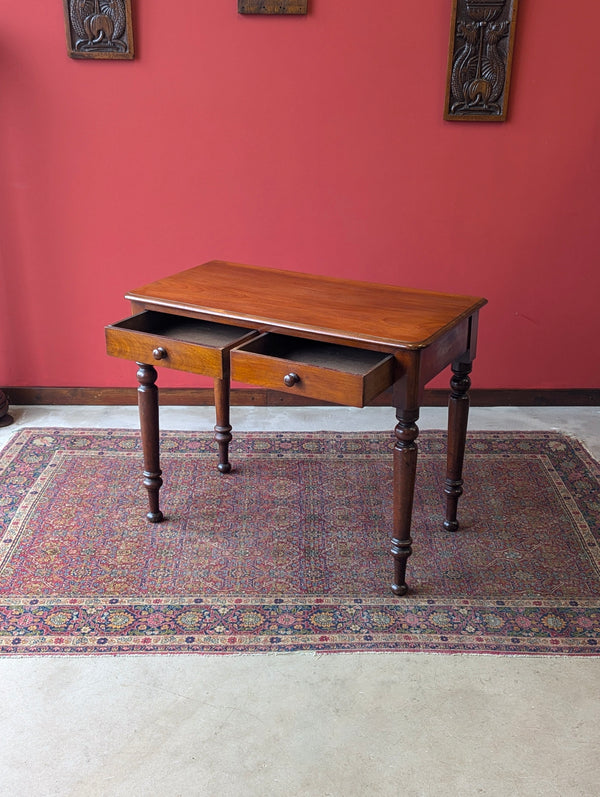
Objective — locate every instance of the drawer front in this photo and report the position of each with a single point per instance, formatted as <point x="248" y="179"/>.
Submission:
<point x="172" y="342"/>
<point x="329" y="372"/>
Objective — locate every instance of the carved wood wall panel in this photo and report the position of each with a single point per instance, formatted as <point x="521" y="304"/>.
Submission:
<point x="99" y="28"/>
<point x="272" y="6"/>
<point x="482" y="36"/>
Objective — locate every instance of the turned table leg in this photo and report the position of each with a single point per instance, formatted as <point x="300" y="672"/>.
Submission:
<point x="148" y="406"/>
<point x="405" y="465"/>
<point x="223" y="427"/>
<point x="458" y="415"/>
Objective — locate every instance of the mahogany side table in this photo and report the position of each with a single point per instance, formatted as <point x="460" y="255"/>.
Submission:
<point x="326" y="338"/>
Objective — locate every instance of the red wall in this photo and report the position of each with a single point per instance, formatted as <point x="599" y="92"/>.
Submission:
<point x="310" y="143"/>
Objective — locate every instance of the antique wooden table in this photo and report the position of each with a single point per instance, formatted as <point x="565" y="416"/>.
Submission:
<point x="332" y="339"/>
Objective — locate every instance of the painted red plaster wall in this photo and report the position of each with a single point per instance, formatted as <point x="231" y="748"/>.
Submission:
<point x="311" y="143"/>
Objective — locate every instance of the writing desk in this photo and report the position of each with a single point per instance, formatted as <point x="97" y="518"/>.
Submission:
<point x="332" y="339"/>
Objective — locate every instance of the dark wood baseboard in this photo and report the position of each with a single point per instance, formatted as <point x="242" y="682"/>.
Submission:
<point x="272" y="398"/>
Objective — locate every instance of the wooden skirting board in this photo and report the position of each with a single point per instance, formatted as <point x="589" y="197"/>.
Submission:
<point x="271" y="398"/>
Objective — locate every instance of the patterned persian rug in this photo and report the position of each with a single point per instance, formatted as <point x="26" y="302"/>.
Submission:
<point x="291" y="550"/>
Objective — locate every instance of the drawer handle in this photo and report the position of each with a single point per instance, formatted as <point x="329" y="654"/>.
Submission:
<point x="159" y="353"/>
<point x="291" y="379"/>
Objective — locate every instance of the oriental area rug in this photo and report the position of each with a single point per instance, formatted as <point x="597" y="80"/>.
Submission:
<point x="290" y="551"/>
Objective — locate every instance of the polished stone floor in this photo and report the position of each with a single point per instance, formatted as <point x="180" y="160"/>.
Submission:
<point x="302" y="724"/>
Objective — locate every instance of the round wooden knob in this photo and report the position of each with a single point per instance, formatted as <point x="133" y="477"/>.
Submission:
<point x="291" y="379"/>
<point x="159" y="353"/>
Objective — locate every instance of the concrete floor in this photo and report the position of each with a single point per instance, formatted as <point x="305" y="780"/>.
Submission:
<point x="302" y="724"/>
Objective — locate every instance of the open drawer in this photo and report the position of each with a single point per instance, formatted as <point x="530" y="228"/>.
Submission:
<point x="171" y="341"/>
<point x="312" y="368"/>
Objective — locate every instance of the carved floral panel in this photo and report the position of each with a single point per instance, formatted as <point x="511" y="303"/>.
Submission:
<point x="99" y="28"/>
<point x="482" y="38"/>
<point x="272" y="6"/>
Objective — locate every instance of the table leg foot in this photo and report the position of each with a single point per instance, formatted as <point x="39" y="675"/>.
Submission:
<point x="148" y="406"/>
<point x="458" y="415"/>
<point x="155" y="517"/>
<point x="400" y="589"/>
<point x="223" y="427"/>
<point x="405" y="465"/>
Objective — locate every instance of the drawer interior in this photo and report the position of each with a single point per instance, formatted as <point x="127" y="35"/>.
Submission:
<point x="313" y="352"/>
<point x="187" y="330"/>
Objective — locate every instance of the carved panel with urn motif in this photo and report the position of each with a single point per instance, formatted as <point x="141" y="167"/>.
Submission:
<point x="99" y="28"/>
<point x="482" y="38"/>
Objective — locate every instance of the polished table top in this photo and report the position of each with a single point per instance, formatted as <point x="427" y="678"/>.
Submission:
<point x="336" y="309"/>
